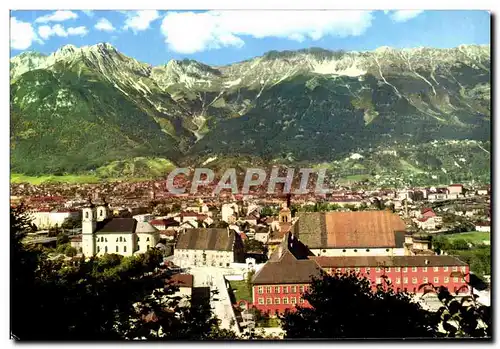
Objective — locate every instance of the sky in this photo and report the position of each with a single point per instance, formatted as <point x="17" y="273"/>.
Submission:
<point x="224" y="37"/>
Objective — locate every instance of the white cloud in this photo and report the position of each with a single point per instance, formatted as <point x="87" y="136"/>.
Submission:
<point x="140" y="20"/>
<point x="58" y="16"/>
<point x="22" y="34"/>
<point x="89" y="13"/>
<point x="189" y="32"/>
<point x="46" y="31"/>
<point x="404" y="15"/>
<point x="104" y="25"/>
<point x="81" y="30"/>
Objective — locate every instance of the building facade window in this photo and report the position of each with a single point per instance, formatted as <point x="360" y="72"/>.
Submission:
<point x="98" y="249"/>
<point x="276" y="301"/>
<point x="436" y="269"/>
<point x="301" y="289"/>
<point x="301" y="300"/>
<point x="357" y="270"/>
<point x="294" y="289"/>
<point x="269" y="301"/>
<point x="414" y="269"/>
<point x="398" y="269"/>
<point x="462" y="268"/>
<point x="268" y="289"/>
<point x="367" y="270"/>
<point x="260" y="290"/>
<point x="455" y="279"/>
<point x="405" y="269"/>
<point x="124" y="248"/>
<point x="105" y="249"/>
<point x="436" y="279"/>
<point x="425" y="280"/>
<point x="261" y="301"/>
<point x="424" y="269"/>
<point x="377" y="269"/>
<point x="388" y="269"/>
<point x="116" y="248"/>
<point x="414" y="280"/>
<point x="285" y="289"/>
<point x="285" y="300"/>
<point x="398" y="281"/>
<point x="445" y="269"/>
<point x="378" y="281"/>
<point x="276" y="289"/>
<point x="454" y="268"/>
<point x="293" y="300"/>
<point x="446" y="279"/>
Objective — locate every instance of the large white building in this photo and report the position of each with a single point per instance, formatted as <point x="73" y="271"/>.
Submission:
<point x="208" y="247"/>
<point x="103" y="234"/>
<point x="46" y="218"/>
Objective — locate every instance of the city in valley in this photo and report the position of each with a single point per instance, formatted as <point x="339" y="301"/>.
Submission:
<point x="259" y="251"/>
<point x="252" y="174"/>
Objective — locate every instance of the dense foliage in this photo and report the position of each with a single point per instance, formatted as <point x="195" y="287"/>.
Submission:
<point x="345" y="306"/>
<point x="478" y="256"/>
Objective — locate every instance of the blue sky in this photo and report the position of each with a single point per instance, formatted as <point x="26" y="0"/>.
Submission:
<point x="223" y="37"/>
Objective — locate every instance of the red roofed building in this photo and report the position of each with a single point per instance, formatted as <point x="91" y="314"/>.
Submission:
<point x="279" y="285"/>
<point x="351" y="233"/>
<point x="406" y="273"/>
<point x="427" y="212"/>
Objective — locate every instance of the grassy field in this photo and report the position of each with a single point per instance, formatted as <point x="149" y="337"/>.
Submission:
<point x="241" y="291"/>
<point x="70" y="179"/>
<point x="20" y="178"/>
<point x="355" y="178"/>
<point x="471" y="236"/>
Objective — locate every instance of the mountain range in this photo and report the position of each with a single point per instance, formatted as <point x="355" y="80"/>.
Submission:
<point x="95" y="109"/>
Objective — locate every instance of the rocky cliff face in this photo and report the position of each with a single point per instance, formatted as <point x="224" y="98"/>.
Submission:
<point x="309" y="105"/>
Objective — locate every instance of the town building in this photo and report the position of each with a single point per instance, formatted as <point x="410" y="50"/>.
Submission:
<point x="366" y="233"/>
<point x="50" y="218"/>
<point x="143" y="217"/>
<point x="280" y="283"/>
<point x="103" y="234"/>
<point x="76" y="243"/>
<point x="184" y="283"/>
<point x="404" y="273"/>
<point x="455" y="189"/>
<point x="208" y="247"/>
<point x="229" y="212"/>
<point x="484" y="227"/>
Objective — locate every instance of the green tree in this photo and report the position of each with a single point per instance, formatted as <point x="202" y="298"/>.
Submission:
<point x="62" y="239"/>
<point x="345" y="306"/>
<point x="252" y="245"/>
<point x="461" y="318"/>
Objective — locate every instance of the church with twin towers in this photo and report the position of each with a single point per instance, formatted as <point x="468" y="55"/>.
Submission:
<point x="104" y="234"/>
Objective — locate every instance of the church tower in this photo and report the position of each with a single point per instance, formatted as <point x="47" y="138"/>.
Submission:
<point x="285" y="215"/>
<point x="103" y="211"/>
<point x="89" y="223"/>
